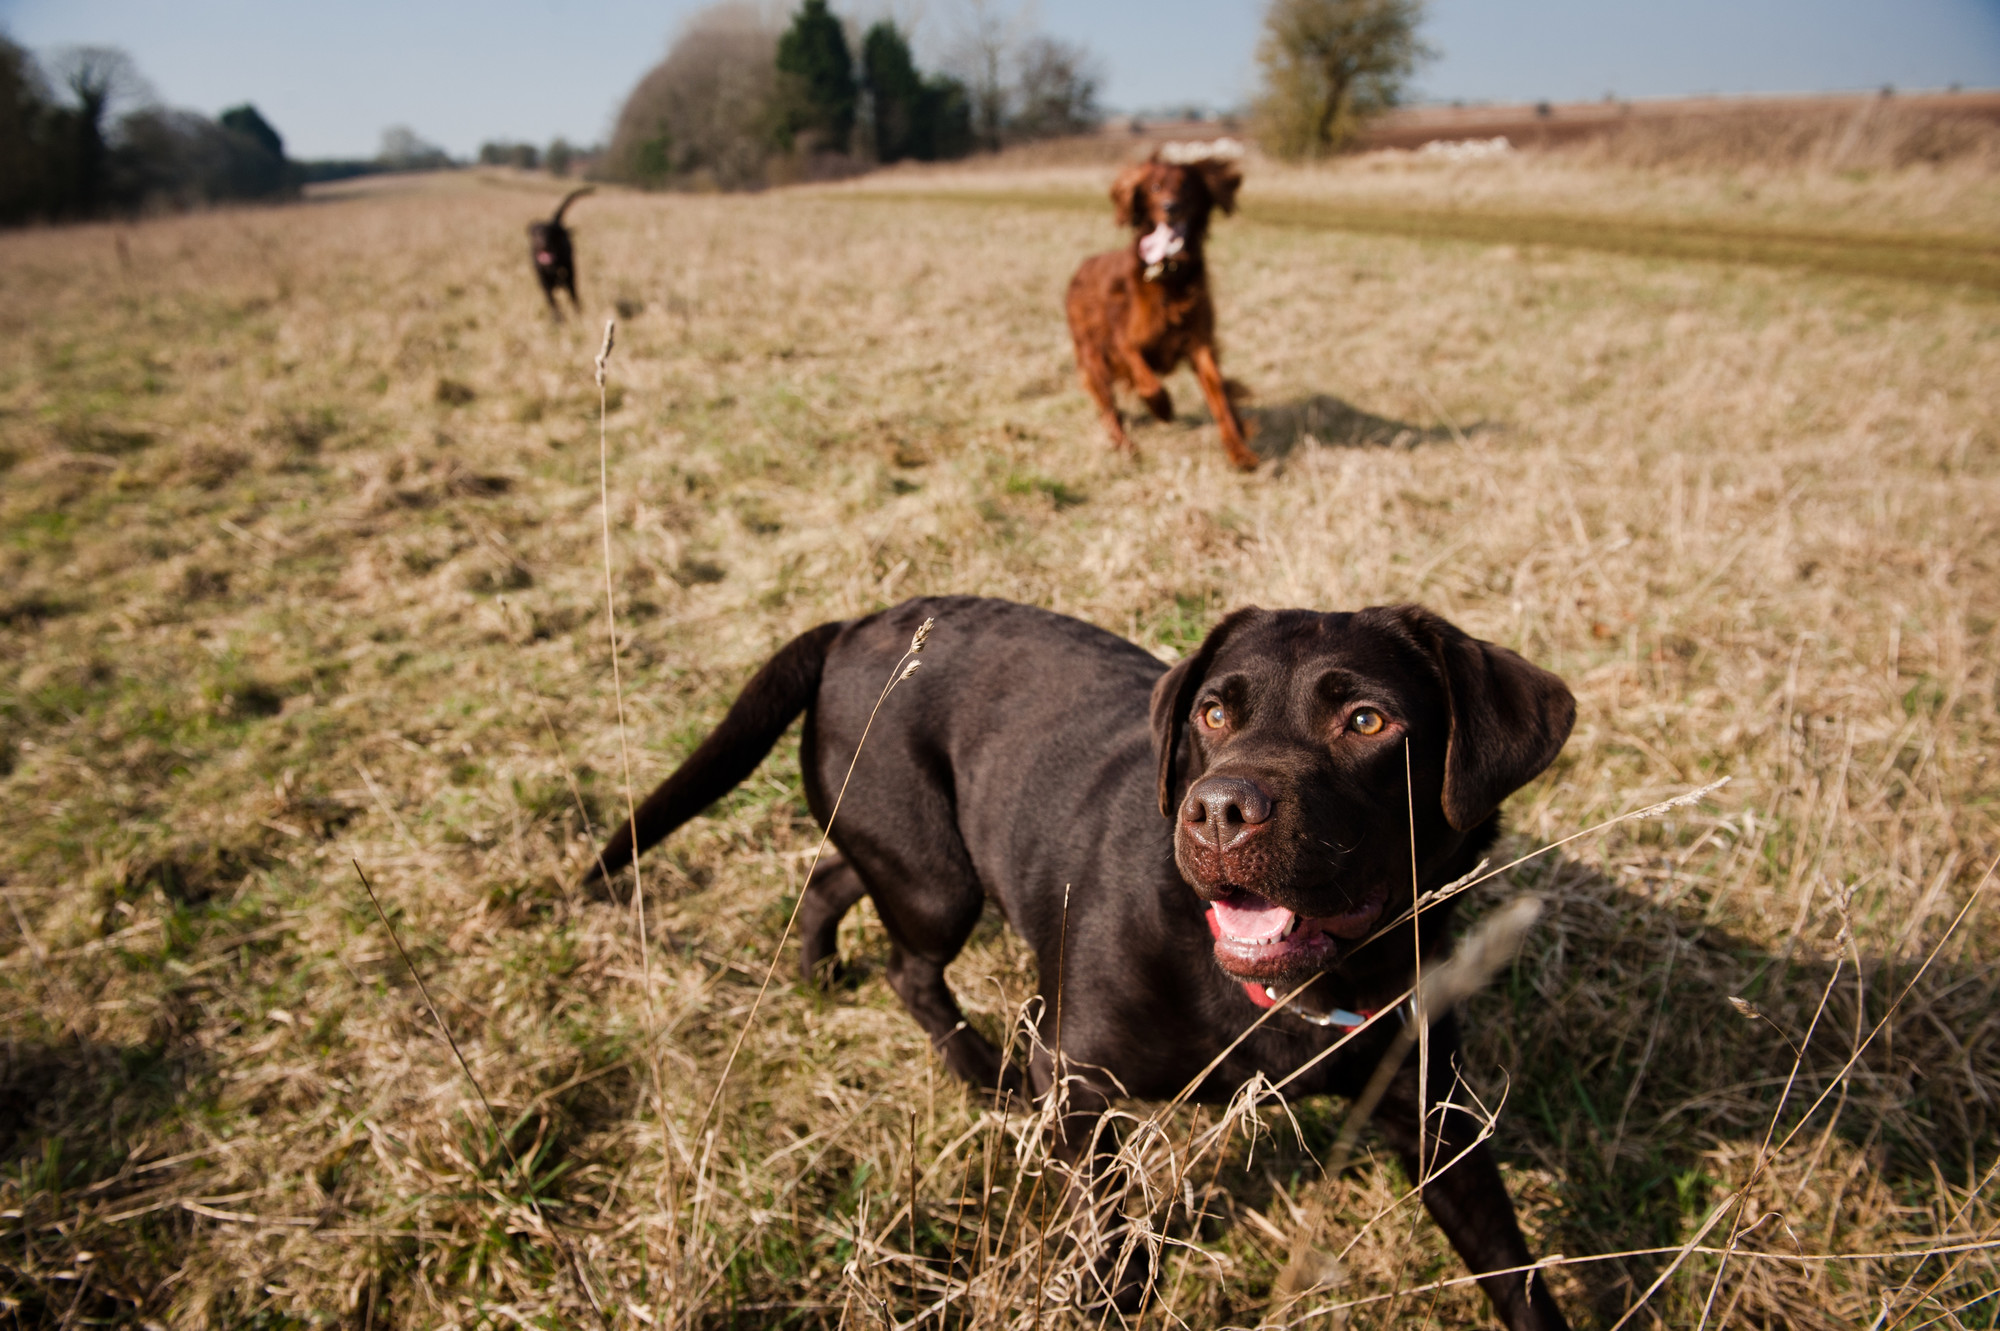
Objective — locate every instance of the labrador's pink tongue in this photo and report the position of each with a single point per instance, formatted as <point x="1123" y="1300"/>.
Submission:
<point x="1252" y="918"/>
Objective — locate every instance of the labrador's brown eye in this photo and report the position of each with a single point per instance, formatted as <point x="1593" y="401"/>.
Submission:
<point x="1366" y="721"/>
<point x="1214" y="717"/>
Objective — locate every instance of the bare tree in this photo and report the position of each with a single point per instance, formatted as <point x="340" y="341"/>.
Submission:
<point x="989" y="32"/>
<point x="403" y="149"/>
<point x="1021" y="83"/>
<point x="1055" y="91"/>
<point x="105" y="82"/>
<point x="1329" y="65"/>
<point x="709" y="113"/>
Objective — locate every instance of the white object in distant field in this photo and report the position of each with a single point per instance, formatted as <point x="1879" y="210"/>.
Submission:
<point x="1186" y="152"/>
<point x="1467" y="150"/>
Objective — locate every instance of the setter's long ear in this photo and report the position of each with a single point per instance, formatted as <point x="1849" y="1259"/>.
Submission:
<point x="1173" y="696"/>
<point x="1223" y="180"/>
<point x="1125" y="192"/>
<point x="1509" y="719"/>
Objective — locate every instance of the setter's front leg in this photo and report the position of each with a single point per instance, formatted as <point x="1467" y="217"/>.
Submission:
<point x="1216" y="391"/>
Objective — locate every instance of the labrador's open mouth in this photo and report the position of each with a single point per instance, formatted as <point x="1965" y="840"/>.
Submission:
<point x="1257" y="939"/>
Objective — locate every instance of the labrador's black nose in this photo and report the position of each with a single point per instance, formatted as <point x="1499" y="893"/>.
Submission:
<point x="1222" y="810"/>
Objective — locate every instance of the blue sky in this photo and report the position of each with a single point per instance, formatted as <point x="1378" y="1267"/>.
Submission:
<point x="332" y="76"/>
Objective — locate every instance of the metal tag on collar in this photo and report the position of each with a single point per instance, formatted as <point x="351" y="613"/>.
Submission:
<point x="1340" y="1016"/>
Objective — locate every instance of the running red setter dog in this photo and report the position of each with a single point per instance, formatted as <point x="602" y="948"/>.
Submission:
<point x="1138" y="312"/>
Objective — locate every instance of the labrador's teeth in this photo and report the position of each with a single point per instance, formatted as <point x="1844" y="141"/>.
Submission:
<point x="1291" y="928"/>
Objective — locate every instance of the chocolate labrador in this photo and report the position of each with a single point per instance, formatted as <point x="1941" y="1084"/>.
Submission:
<point x="1229" y="829"/>
<point x="555" y="256"/>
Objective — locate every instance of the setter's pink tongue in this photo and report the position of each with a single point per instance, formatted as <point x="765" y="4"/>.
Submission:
<point x="1252" y="919"/>
<point x="1160" y="244"/>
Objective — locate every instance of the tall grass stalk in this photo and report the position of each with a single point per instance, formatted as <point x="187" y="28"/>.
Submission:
<point x="906" y="666"/>
<point x="501" y="1136"/>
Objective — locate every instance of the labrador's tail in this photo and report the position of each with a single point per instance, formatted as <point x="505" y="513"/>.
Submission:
<point x="568" y="199"/>
<point x="774" y="696"/>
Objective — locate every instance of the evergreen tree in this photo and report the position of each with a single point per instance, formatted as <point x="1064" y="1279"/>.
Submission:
<point x="929" y="119"/>
<point x="28" y="175"/>
<point x="895" y="91"/>
<point x="1055" y="90"/>
<point x="813" y="57"/>
<point x="246" y="120"/>
<point x="943" y="129"/>
<point x="258" y="165"/>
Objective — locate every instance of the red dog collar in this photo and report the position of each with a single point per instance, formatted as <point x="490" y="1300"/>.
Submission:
<point x="1262" y="996"/>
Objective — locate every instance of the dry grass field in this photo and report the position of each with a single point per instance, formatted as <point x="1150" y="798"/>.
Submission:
<point x="301" y="565"/>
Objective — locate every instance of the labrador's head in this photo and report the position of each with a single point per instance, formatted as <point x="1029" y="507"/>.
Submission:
<point x="1316" y="766"/>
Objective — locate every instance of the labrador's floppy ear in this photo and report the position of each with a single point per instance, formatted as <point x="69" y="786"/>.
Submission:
<point x="1174" y="694"/>
<point x="1509" y="719"/>
<point x="1222" y="180"/>
<point x="1125" y="192"/>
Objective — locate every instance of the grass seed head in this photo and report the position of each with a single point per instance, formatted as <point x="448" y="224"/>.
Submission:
<point x="1480" y="955"/>
<point x="604" y="352"/>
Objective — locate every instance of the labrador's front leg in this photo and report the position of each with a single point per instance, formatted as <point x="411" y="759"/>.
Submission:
<point x="1464" y="1193"/>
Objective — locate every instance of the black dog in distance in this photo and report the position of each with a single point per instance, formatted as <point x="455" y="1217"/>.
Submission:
<point x="555" y="257"/>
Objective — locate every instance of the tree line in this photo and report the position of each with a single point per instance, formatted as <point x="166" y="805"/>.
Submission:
<point x="739" y="103"/>
<point x="82" y="135"/>
<point x="85" y="138"/>
<point x="560" y="158"/>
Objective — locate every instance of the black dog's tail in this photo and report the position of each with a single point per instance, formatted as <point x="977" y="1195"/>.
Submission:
<point x="774" y="695"/>
<point x="568" y="199"/>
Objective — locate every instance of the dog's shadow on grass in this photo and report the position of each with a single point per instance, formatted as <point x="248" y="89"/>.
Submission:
<point x="1639" y="1045"/>
<point x="1632" y="1079"/>
<point x="74" y="1115"/>
<point x="50" y="1085"/>
<point x="1278" y="429"/>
